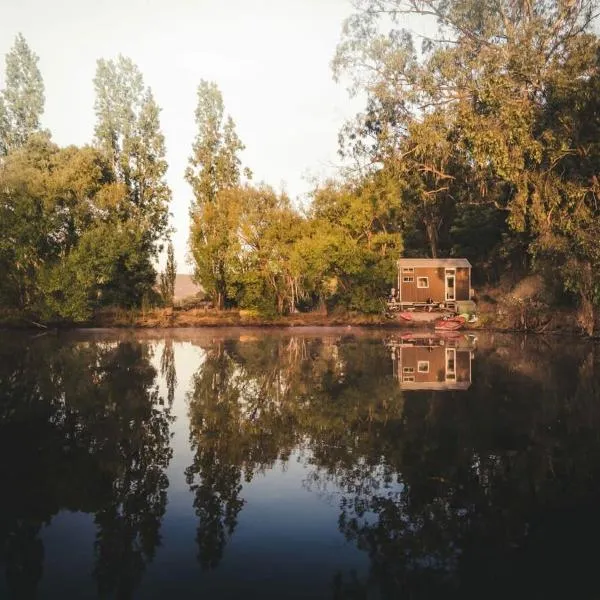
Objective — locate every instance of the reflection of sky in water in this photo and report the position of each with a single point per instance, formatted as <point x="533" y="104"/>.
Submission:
<point x="287" y="539"/>
<point x="419" y="484"/>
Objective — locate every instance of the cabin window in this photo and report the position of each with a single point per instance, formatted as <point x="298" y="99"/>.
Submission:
<point x="422" y="282"/>
<point x="408" y="369"/>
<point x="408" y="279"/>
<point x="408" y="269"/>
<point x="423" y="366"/>
<point x="408" y="378"/>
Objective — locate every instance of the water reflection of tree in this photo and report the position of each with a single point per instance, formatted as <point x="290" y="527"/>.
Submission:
<point x="84" y="425"/>
<point x="168" y="369"/>
<point x="498" y="484"/>
<point x="444" y="491"/>
<point x="252" y="403"/>
<point x="235" y="430"/>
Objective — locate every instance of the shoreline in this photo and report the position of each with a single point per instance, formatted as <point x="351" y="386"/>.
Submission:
<point x="166" y="320"/>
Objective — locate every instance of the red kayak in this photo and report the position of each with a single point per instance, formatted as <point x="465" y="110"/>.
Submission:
<point x="406" y="316"/>
<point x="450" y="324"/>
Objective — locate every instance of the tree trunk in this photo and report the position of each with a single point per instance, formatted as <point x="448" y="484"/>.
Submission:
<point x="432" y="236"/>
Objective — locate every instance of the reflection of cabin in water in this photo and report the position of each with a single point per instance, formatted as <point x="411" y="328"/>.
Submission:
<point x="433" y="280"/>
<point x="432" y="362"/>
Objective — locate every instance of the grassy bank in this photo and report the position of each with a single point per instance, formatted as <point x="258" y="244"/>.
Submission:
<point x="497" y="311"/>
<point x="228" y="318"/>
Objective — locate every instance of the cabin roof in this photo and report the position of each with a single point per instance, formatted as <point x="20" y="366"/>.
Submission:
<point x="434" y="262"/>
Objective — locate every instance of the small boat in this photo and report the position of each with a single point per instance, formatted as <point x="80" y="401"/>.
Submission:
<point x="450" y="324"/>
<point x="406" y="316"/>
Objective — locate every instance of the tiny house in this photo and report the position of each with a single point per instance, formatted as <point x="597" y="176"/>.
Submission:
<point x="433" y="281"/>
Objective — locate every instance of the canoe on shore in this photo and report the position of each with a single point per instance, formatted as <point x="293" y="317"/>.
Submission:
<point x="450" y="324"/>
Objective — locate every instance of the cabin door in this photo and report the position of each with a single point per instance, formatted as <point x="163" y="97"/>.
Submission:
<point x="451" y="285"/>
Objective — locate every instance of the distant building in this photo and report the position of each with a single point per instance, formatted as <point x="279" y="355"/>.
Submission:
<point x="186" y="287"/>
<point x="433" y="281"/>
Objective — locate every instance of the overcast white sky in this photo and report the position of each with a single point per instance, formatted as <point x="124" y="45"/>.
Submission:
<point x="270" y="59"/>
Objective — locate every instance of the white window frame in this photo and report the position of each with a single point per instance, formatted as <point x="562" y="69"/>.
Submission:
<point x="408" y="269"/>
<point x="408" y="369"/>
<point x="407" y="279"/>
<point x="408" y="378"/>
<point x="423" y="366"/>
<point x="420" y="280"/>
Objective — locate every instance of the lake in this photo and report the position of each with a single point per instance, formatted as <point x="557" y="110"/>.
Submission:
<point x="329" y="463"/>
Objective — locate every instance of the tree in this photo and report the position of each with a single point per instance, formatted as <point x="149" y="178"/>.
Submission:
<point x="266" y="277"/>
<point x="128" y="133"/>
<point x="353" y="241"/>
<point x="494" y="75"/>
<point x="63" y="247"/>
<point x="214" y="167"/>
<point x="49" y="198"/>
<point x="22" y="100"/>
<point x="167" y="279"/>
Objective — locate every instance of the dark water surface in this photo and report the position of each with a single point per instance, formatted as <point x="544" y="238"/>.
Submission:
<point x="319" y="464"/>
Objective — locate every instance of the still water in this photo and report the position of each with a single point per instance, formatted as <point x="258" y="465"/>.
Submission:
<point x="332" y="464"/>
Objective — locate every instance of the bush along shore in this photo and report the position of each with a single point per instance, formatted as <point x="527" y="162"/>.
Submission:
<point x="507" y="315"/>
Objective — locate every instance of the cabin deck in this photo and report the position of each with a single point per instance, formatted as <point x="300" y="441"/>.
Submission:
<point x="396" y="306"/>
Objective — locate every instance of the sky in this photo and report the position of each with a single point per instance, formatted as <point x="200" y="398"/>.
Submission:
<point x="270" y="59"/>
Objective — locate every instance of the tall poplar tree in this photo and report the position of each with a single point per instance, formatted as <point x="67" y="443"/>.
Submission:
<point x="214" y="167"/>
<point x="128" y="132"/>
<point x="22" y="99"/>
<point x="167" y="279"/>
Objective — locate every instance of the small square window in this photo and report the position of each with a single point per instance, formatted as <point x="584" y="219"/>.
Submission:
<point x="408" y="279"/>
<point x="408" y="378"/>
<point x="422" y="282"/>
<point x="423" y="366"/>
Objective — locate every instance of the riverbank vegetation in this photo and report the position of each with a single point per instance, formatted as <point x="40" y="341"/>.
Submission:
<point x="479" y="139"/>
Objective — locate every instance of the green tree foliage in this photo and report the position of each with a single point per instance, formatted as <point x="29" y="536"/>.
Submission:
<point x="214" y="167"/>
<point x="488" y="112"/>
<point x="64" y="249"/>
<point x="353" y="242"/>
<point x="128" y="133"/>
<point x="80" y="227"/>
<point x="273" y="259"/>
<point x="48" y="198"/>
<point x="22" y="99"/>
<point x="167" y="279"/>
<point x="267" y="275"/>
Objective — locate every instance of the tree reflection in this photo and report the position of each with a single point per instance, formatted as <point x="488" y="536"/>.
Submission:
<point x="168" y="369"/>
<point x="445" y="491"/>
<point x="252" y="403"/>
<point x="85" y="426"/>
<point x="495" y="485"/>
<point x="493" y="489"/>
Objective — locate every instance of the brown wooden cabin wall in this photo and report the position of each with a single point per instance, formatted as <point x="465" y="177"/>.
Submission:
<point x="436" y="289"/>
<point x="462" y="283"/>
<point x="437" y="284"/>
